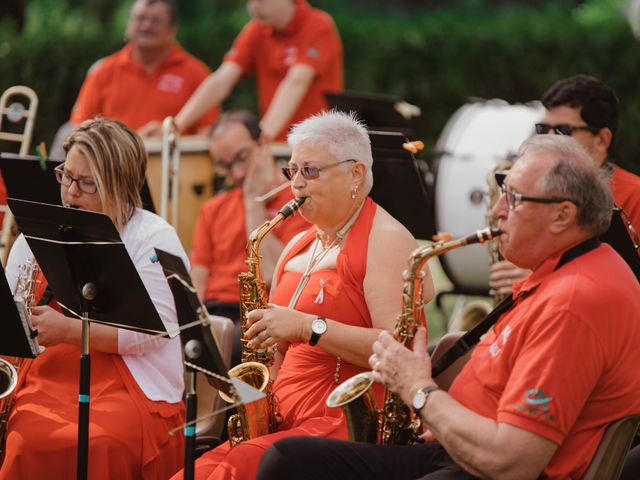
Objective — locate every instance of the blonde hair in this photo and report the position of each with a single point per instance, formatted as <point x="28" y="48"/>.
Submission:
<point x="118" y="162"/>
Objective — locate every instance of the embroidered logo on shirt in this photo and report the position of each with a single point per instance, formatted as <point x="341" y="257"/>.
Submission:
<point x="496" y="347"/>
<point x="170" y="83"/>
<point x="536" y="402"/>
<point x="313" y="53"/>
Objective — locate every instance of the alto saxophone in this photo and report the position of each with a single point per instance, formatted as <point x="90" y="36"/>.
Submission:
<point x="24" y="297"/>
<point x="257" y="418"/>
<point x="394" y="423"/>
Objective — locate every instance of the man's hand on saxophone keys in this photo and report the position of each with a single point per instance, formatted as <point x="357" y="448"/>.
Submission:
<point x="402" y="370"/>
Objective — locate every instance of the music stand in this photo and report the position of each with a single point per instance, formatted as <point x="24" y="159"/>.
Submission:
<point x="15" y="340"/>
<point x="93" y="279"/>
<point x="399" y="185"/>
<point x="379" y="112"/>
<point x="201" y="351"/>
<point x="619" y="236"/>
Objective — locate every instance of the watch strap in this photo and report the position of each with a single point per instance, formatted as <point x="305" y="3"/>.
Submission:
<point x="426" y="391"/>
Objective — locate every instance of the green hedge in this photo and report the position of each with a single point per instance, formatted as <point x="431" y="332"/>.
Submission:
<point x="437" y="59"/>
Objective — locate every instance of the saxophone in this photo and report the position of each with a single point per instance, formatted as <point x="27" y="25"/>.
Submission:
<point x="256" y="418"/>
<point x="394" y="423"/>
<point x="24" y="297"/>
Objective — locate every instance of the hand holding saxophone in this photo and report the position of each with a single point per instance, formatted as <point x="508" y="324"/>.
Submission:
<point x="400" y="369"/>
<point x="52" y="326"/>
<point x="276" y="324"/>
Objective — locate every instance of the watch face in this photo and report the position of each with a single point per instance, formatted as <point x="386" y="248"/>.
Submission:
<point x="419" y="400"/>
<point x="319" y="326"/>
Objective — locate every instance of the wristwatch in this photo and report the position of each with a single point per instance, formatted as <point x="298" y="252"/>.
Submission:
<point x="420" y="398"/>
<point x="318" y="327"/>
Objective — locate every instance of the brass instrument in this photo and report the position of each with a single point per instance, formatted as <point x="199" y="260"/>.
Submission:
<point x="15" y="112"/>
<point x="257" y="418"/>
<point x="170" y="181"/>
<point x="24" y="297"/>
<point x="395" y="423"/>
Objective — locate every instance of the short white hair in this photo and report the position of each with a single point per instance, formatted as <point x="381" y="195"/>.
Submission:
<point x="343" y="134"/>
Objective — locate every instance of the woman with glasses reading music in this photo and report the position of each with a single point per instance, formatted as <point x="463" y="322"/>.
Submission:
<point x="136" y="386"/>
<point x="336" y="286"/>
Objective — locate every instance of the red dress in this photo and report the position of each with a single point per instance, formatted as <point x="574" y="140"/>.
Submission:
<point x="306" y="377"/>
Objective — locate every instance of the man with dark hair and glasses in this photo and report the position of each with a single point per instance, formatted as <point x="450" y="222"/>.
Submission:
<point x="225" y="221"/>
<point x="585" y="109"/>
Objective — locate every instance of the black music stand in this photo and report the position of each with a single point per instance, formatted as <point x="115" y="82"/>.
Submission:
<point x="379" y="112"/>
<point x="399" y="184"/>
<point x="201" y="351"/>
<point x="30" y="178"/>
<point x="619" y="236"/>
<point x="15" y="340"/>
<point x="90" y="272"/>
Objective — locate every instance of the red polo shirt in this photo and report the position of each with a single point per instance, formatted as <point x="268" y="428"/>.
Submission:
<point x="220" y="240"/>
<point x="118" y="87"/>
<point x="310" y="38"/>
<point x="626" y="192"/>
<point x="563" y="362"/>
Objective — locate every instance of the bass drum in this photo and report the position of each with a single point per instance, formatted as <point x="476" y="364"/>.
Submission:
<point x="476" y="138"/>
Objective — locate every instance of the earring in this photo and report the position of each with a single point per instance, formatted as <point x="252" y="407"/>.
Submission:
<point x="353" y="193"/>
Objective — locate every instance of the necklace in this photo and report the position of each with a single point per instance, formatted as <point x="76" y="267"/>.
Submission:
<point x="316" y="257"/>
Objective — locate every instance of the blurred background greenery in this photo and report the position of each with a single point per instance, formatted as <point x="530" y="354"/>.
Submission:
<point x="436" y="54"/>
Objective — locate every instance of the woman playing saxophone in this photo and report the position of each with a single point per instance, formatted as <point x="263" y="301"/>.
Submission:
<point x="336" y="287"/>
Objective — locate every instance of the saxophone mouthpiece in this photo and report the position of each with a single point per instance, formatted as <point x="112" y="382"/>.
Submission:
<point x="484" y="235"/>
<point x="291" y="207"/>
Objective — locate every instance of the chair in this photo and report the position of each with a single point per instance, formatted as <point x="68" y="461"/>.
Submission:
<point x="609" y="458"/>
<point x="209" y="430"/>
<point x="445" y="379"/>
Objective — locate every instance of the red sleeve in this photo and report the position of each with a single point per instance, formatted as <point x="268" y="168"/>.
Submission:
<point x="243" y="48"/>
<point x="202" y="242"/>
<point x="320" y="46"/>
<point x="556" y="370"/>
<point x="89" y="101"/>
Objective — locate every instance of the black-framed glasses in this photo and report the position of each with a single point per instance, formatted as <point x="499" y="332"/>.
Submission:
<point x="564" y="129"/>
<point x="85" y="184"/>
<point x="240" y="158"/>
<point x="310" y="172"/>
<point x="513" y="198"/>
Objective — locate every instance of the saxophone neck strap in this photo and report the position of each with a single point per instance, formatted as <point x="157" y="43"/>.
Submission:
<point x="472" y="337"/>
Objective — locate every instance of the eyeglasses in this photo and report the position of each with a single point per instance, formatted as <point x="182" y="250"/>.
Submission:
<point x="85" y="184"/>
<point x="563" y="129"/>
<point x="513" y="198"/>
<point x="310" y="172"/>
<point x="240" y="158"/>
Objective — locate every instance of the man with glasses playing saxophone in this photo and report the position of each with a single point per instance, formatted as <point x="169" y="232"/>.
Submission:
<point x="585" y="109"/>
<point x="541" y="386"/>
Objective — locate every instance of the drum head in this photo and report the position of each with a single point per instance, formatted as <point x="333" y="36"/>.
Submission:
<point x="476" y="138"/>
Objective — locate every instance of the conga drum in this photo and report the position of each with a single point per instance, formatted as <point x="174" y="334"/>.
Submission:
<point x="195" y="181"/>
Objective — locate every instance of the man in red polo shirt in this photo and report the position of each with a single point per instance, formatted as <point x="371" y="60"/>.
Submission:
<point x="226" y="220"/>
<point x="585" y="109"/>
<point x="295" y="53"/>
<point x="150" y="78"/>
<point x="558" y="366"/>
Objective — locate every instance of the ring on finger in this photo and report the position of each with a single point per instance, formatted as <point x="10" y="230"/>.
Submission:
<point x="376" y="366"/>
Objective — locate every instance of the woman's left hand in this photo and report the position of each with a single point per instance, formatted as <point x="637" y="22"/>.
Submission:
<point x="276" y="324"/>
<point x="52" y="326"/>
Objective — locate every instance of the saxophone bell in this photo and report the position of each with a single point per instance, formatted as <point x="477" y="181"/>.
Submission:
<point x="8" y="378"/>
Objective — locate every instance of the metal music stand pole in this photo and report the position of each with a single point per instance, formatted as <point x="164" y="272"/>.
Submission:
<point x="191" y="406"/>
<point x="89" y="293"/>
